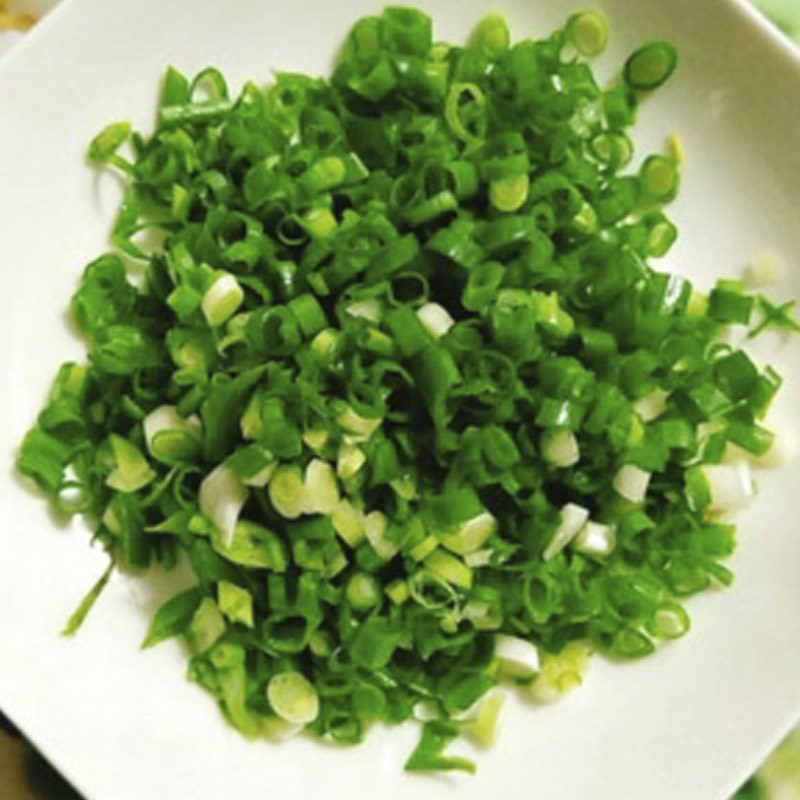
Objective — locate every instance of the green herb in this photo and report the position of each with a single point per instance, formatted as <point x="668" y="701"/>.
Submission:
<point x="401" y="383"/>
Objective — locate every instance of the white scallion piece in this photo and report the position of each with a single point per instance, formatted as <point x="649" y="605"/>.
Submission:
<point x="519" y="659"/>
<point x="375" y="529"/>
<point x="293" y="697"/>
<point x="561" y="673"/>
<point x="349" y="460"/>
<point x="560" y="448"/>
<point x="358" y="428"/>
<point x="279" y="730"/>
<point x="730" y="486"/>
<point x="595" y="539"/>
<point x="322" y="490"/>
<point x="471" y="535"/>
<point x="478" y="558"/>
<point x="168" y="435"/>
<point x="287" y="492"/>
<point x="222" y="299"/>
<point x="483" y="729"/>
<point x="370" y="309"/>
<point x="573" y="518"/>
<point x="222" y="496"/>
<point x="631" y="483"/>
<point x="349" y="523"/>
<point x="435" y="319"/>
<point x="651" y="405"/>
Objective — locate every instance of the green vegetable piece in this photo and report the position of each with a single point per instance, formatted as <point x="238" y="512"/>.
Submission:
<point x="374" y="643"/>
<point x="78" y="617"/>
<point x="235" y="603"/>
<point x="173" y="617"/>
<point x="651" y="66"/>
<point x="363" y="592"/>
<point x="206" y="628"/>
<point x="252" y="546"/>
<point x="588" y="32"/>
<point x="491" y="36"/>
<point x="660" y="178"/>
<point x="131" y="471"/>
<point x="429" y="753"/>
<point x="104" y="146"/>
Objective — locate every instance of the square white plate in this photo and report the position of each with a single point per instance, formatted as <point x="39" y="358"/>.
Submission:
<point x="687" y="724"/>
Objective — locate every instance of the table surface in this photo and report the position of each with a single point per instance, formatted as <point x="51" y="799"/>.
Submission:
<point x="14" y="784"/>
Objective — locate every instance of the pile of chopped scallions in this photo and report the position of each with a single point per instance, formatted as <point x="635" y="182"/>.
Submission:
<point x="400" y="385"/>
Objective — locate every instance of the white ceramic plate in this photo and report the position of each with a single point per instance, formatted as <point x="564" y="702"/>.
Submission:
<point x="687" y="724"/>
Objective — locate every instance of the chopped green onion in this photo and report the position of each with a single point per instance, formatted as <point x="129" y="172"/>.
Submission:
<point x="206" y="628"/>
<point x="471" y="535"/>
<point x="561" y="673"/>
<point x="363" y="592"/>
<point x="222" y="496"/>
<point x="321" y="488"/>
<point x="675" y="149"/>
<point x="104" y="146"/>
<point x="320" y="223"/>
<point x="435" y="319"/>
<point x="131" y="471"/>
<point x="509" y="194"/>
<point x="492" y="36"/>
<point x="422" y="550"/>
<point x="652" y="405"/>
<point x="397" y="591"/>
<point x="572" y="518"/>
<point x="484" y="727"/>
<point x="358" y="428"/>
<point x="222" y="299"/>
<point x="235" y="603"/>
<point x="595" y="539"/>
<point x="252" y="545"/>
<point x="560" y="448"/>
<point x="631" y="483"/>
<point x="349" y="460"/>
<point x="720" y="487"/>
<point x="349" y="523"/>
<point x="465" y="112"/>
<point x="449" y="568"/>
<point x="670" y="621"/>
<point x="519" y="659"/>
<point x="375" y="530"/>
<point x="660" y="178"/>
<point x="78" y="616"/>
<point x="588" y="32"/>
<point x="293" y="697"/>
<point x="288" y="493"/>
<point x="651" y="66"/>
<point x="171" y="438"/>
